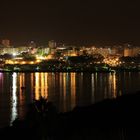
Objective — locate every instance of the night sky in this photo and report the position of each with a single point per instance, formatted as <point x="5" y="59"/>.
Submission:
<point x="71" y="21"/>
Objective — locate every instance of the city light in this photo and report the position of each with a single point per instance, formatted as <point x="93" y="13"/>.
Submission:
<point x="67" y="58"/>
<point x="112" y="61"/>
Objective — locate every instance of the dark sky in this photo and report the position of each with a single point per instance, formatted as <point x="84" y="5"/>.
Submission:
<point x="70" y="21"/>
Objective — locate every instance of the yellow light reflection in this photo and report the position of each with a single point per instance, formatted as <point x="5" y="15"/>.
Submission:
<point x="61" y="91"/>
<point x="22" y="84"/>
<point x="21" y="91"/>
<point x="46" y="85"/>
<point x="112" y="85"/>
<point x="41" y="85"/>
<point x="32" y="80"/>
<point x="14" y="98"/>
<point x="73" y="89"/>
<point x="1" y="82"/>
<point x="37" y="86"/>
<point x="22" y="80"/>
<point x="64" y="91"/>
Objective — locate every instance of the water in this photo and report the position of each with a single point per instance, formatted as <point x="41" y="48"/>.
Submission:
<point x="66" y="90"/>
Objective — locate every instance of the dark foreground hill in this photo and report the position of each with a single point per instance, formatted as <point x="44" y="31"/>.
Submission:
<point x="117" y="119"/>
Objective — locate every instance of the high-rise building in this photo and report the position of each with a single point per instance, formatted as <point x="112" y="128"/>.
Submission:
<point x="6" y="43"/>
<point x="52" y="44"/>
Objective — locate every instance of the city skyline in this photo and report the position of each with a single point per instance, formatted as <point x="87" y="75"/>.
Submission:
<point x="75" y="22"/>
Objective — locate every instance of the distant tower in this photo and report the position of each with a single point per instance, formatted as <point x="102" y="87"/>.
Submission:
<point x="52" y="44"/>
<point x="32" y="44"/>
<point x="6" y="43"/>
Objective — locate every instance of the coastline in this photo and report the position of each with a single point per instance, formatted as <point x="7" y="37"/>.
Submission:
<point x="76" y="71"/>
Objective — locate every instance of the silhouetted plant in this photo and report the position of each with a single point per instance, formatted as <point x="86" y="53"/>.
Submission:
<point x="42" y="115"/>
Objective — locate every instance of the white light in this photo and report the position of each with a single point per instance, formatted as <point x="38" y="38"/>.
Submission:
<point x="14" y="98"/>
<point x="14" y="54"/>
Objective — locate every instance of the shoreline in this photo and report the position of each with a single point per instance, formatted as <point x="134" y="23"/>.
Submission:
<point x="72" y="71"/>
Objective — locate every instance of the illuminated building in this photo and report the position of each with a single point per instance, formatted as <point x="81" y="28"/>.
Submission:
<point x="127" y="52"/>
<point x="136" y="51"/>
<point x="131" y="51"/>
<point x="52" y="46"/>
<point x="6" y="43"/>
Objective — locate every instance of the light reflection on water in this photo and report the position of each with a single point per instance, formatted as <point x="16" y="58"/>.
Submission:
<point x="66" y="90"/>
<point x="14" y="98"/>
